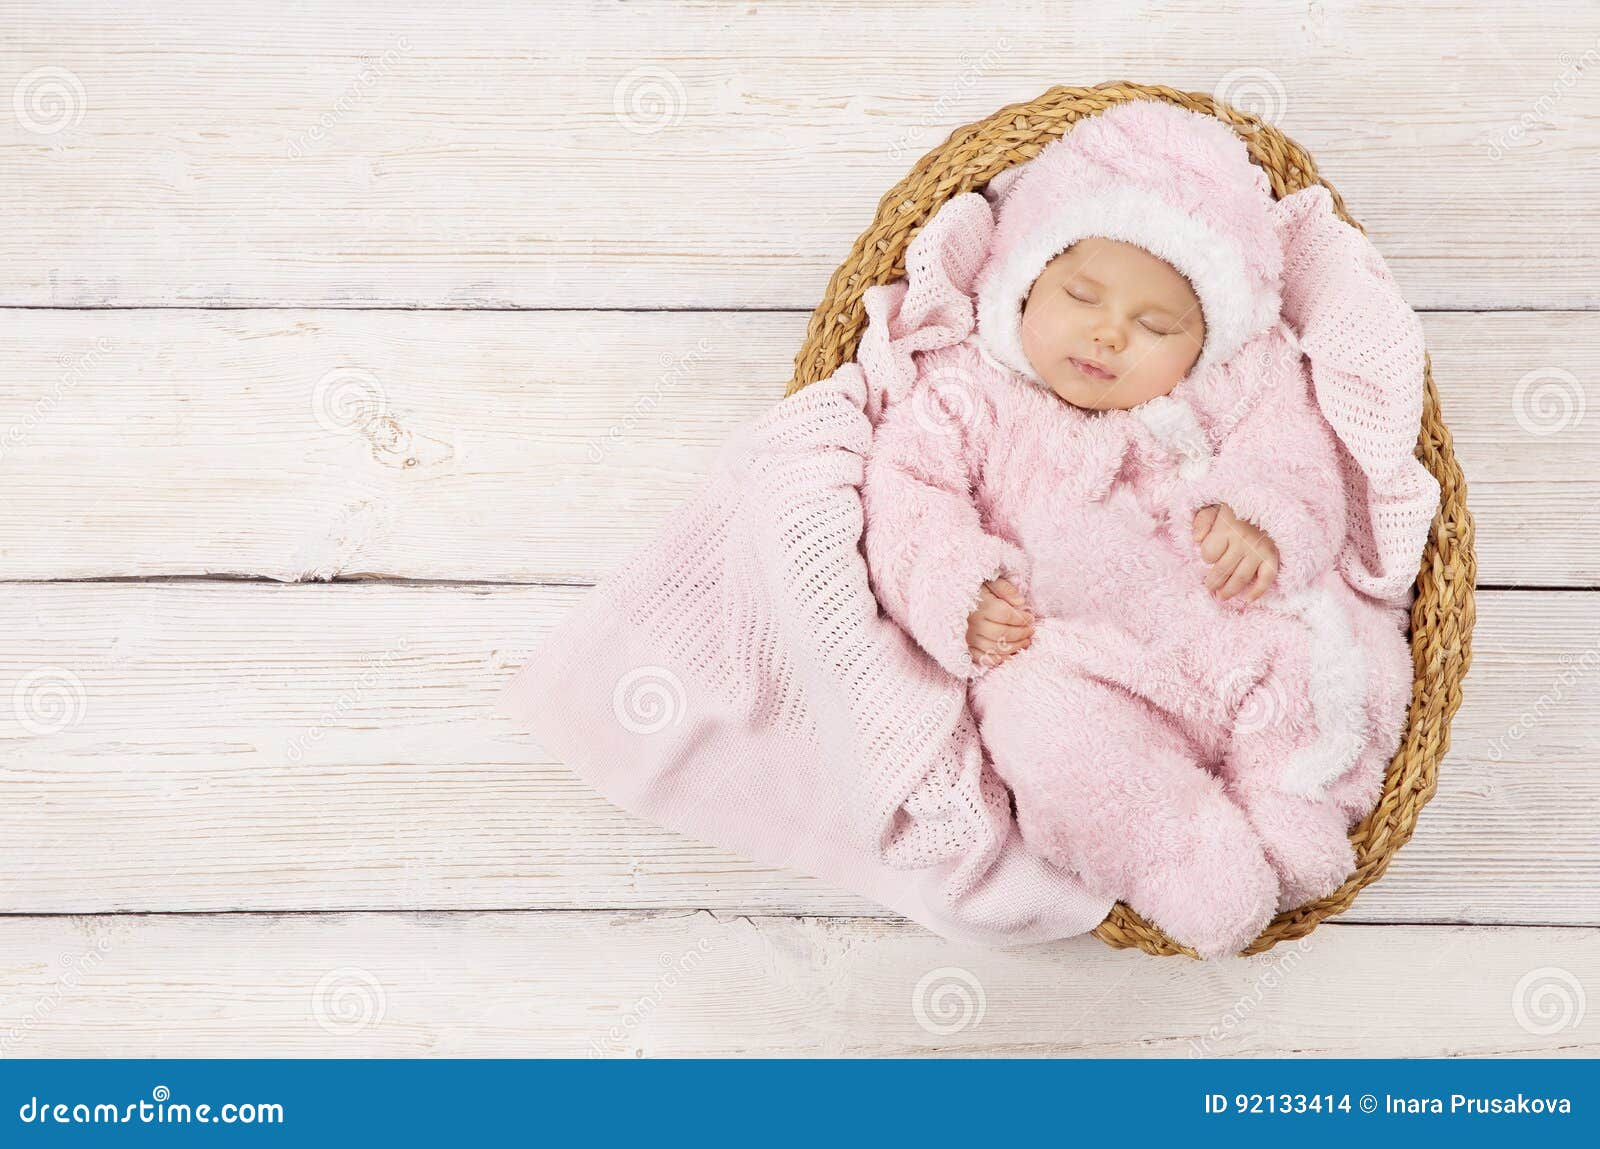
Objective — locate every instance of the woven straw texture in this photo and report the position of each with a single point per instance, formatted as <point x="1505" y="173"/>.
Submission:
<point x="1443" y="612"/>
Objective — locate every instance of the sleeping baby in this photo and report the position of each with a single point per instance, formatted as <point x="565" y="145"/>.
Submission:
<point x="1117" y="510"/>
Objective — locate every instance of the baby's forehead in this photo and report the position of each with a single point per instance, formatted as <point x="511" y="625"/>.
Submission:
<point x="1113" y="262"/>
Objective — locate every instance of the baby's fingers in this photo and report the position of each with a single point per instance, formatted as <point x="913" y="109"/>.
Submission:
<point x="1216" y="543"/>
<point x="1224" y="567"/>
<point x="1243" y="575"/>
<point x="1264" y="578"/>
<point x="1005" y="603"/>
<point x="991" y="653"/>
<point x="990" y="630"/>
<point x="1006" y="591"/>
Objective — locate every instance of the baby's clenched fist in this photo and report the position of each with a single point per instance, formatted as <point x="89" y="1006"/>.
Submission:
<point x="1243" y="557"/>
<point x="1001" y="624"/>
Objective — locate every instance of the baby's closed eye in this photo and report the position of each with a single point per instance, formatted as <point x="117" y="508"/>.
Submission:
<point x="1084" y="295"/>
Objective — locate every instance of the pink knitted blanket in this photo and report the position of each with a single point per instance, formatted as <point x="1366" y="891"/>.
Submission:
<point x="735" y="680"/>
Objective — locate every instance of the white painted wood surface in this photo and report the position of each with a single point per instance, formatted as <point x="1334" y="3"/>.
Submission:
<point x="725" y="155"/>
<point x="693" y="984"/>
<point x="523" y="447"/>
<point x="452" y="306"/>
<point x="252" y="747"/>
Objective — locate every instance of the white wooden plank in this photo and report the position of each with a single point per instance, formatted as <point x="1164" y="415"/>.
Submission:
<point x="597" y="984"/>
<point x="546" y="447"/>
<point x="220" y="746"/>
<point x="576" y="155"/>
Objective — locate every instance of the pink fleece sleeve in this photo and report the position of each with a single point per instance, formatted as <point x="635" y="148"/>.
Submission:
<point x="1279" y="469"/>
<point x="927" y="552"/>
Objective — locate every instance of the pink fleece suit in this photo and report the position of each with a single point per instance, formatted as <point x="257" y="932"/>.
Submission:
<point x="1200" y="759"/>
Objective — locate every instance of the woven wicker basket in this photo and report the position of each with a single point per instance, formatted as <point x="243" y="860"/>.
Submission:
<point x="1443" y="613"/>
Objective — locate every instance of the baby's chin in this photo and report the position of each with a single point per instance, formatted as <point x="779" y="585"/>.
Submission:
<point x="1117" y="395"/>
<point x="1088" y="397"/>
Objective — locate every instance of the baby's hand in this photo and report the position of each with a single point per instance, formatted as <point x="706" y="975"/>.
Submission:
<point x="1242" y="554"/>
<point x="1001" y="625"/>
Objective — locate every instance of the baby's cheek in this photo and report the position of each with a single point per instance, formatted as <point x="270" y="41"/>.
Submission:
<point x="1051" y="345"/>
<point x="1169" y="371"/>
<point x="1043" y="334"/>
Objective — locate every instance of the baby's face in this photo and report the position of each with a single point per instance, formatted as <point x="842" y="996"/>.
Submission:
<point x="1111" y="303"/>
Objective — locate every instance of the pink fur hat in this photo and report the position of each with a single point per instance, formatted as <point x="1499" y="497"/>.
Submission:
<point x="1177" y="183"/>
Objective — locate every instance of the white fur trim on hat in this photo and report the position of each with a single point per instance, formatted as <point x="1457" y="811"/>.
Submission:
<point x="1232" y="311"/>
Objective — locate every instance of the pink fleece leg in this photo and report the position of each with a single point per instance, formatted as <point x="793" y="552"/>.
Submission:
<point x="1357" y="790"/>
<point x="1105" y="787"/>
<point x="1305" y="839"/>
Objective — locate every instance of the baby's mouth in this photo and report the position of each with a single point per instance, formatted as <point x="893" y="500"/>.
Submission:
<point x="1090" y="369"/>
